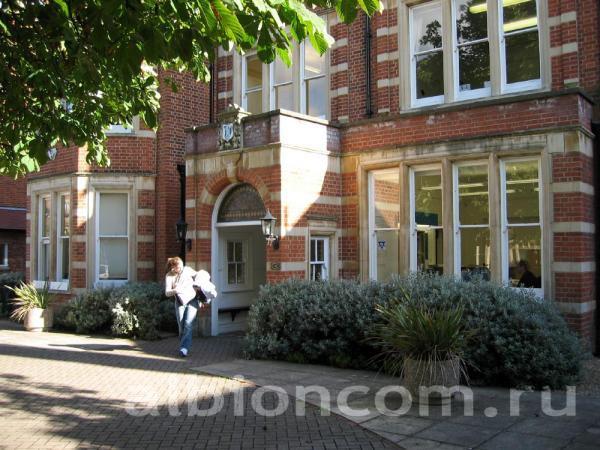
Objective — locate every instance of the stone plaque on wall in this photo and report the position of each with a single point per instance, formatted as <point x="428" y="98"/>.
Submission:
<point x="230" y="128"/>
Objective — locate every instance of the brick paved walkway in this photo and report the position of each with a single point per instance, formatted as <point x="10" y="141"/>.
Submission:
<point x="65" y="391"/>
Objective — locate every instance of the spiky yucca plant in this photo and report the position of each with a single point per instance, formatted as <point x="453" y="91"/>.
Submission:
<point x="28" y="297"/>
<point x="426" y="335"/>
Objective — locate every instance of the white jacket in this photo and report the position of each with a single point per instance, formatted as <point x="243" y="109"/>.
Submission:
<point x="203" y="282"/>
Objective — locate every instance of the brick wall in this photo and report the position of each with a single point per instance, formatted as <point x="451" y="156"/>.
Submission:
<point x="12" y="192"/>
<point x="16" y="250"/>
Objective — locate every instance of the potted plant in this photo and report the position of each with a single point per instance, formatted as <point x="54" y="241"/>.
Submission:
<point x="32" y="307"/>
<point x="424" y="345"/>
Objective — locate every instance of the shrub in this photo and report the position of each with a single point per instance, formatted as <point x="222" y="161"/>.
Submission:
<point x="8" y="280"/>
<point x="317" y="322"/>
<point x="518" y="339"/>
<point x="27" y="298"/>
<point x="135" y="310"/>
<point x="89" y="312"/>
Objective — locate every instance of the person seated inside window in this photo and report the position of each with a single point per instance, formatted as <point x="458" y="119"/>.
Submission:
<point x="526" y="278"/>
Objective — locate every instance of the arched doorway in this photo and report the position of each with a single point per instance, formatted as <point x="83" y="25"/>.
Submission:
<point x="238" y="256"/>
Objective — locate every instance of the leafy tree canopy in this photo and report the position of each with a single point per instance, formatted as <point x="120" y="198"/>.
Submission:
<point x="70" y="68"/>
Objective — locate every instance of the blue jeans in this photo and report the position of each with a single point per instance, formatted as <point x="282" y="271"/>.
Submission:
<point x="186" y="314"/>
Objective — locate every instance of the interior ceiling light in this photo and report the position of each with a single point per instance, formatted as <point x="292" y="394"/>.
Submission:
<point x="482" y="7"/>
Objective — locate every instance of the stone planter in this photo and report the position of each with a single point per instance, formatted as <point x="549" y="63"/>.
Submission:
<point x="442" y="374"/>
<point x="39" y="319"/>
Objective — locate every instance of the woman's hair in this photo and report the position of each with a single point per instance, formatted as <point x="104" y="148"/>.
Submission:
<point x="172" y="262"/>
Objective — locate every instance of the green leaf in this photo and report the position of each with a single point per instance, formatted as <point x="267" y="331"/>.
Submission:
<point x="346" y="10"/>
<point x="229" y="22"/>
<point x="63" y="7"/>
<point x="370" y="6"/>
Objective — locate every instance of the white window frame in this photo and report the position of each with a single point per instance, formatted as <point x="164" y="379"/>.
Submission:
<point x="4" y="255"/>
<point x="496" y="38"/>
<point x="304" y="79"/>
<point x="507" y="88"/>
<point x="414" y="228"/>
<point x="60" y="237"/>
<point x="111" y="282"/>
<point x="475" y="93"/>
<point x="428" y="101"/>
<point x="539" y="292"/>
<point x="44" y="240"/>
<point x="245" y="91"/>
<point x="325" y="266"/>
<point x="371" y="210"/>
<point x="456" y="212"/>
<point x="273" y="85"/>
<point x="237" y="287"/>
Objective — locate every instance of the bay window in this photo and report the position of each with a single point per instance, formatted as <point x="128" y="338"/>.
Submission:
<point x="282" y="82"/>
<point x="472" y="220"/>
<point x="427" y="232"/>
<point x="43" y="256"/>
<point x="112" y="237"/>
<point x="384" y="222"/>
<point x="494" y="45"/>
<point x="521" y="223"/>
<point x="63" y="238"/>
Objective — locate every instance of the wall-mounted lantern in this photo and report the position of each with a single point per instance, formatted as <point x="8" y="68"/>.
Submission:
<point x="268" y="226"/>
<point x="181" y="230"/>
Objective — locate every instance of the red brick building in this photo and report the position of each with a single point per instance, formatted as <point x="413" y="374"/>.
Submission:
<point x="449" y="136"/>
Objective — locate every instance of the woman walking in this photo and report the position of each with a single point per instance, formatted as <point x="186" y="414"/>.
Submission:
<point x="188" y="287"/>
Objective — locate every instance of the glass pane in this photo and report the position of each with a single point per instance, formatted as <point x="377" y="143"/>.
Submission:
<point x="312" y="272"/>
<point x="44" y="261"/>
<point x="281" y="73"/>
<point x="473" y="195"/>
<point x="320" y="250"/>
<point x="230" y="256"/>
<point x="254" y="102"/>
<point x="387" y="199"/>
<point x="317" y="270"/>
<point x="284" y="97"/>
<point x="65" y="208"/>
<point x="45" y="212"/>
<point x="428" y="198"/>
<point x="427" y="27"/>
<point x="522" y="192"/>
<point x="253" y="72"/>
<point x="240" y="273"/>
<point x="471" y="20"/>
<point x="239" y="256"/>
<point x="231" y="278"/>
<point x="387" y="254"/>
<point x="313" y="252"/>
<point x="525" y="256"/>
<point x="113" y="259"/>
<point x="316" y="97"/>
<point x="519" y="14"/>
<point x="64" y="269"/>
<point x="113" y="215"/>
<point x="522" y="57"/>
<point x="430" y="251"/>
<point x="314" y="64"/>
<point x="475" y="252"/>
<point x="430" y="75"/>
<point x="474" y="66"/>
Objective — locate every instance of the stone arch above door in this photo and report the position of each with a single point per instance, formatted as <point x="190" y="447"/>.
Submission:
<point x="241" y="203"/>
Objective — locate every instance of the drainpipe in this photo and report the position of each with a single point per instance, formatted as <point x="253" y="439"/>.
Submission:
<point x="596" y="131"/>
<point x="181" y="170"/>
<point x="211" y="93"/>
<point x="368" y="110"/>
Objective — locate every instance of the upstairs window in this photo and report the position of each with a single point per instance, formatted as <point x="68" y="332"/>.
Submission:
<point x="252" y="84"/>
<point x="492" y="54"/>
<point x="314" y="82"/>
<point x="282" y="82"/>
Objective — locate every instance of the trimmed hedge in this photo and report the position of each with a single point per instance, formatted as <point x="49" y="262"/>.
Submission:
<point x="138" y="310"/>
<point x="519" y="340"/>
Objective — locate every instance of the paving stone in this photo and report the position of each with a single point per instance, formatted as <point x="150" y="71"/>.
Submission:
<point x="405" y="425"/>
<point x="457" y="434"/>
<point x="414" y="443"/>
<point x="520" y="441"/>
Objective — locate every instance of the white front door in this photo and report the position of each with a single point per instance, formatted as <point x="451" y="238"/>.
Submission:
<point x="241" y="272"/>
